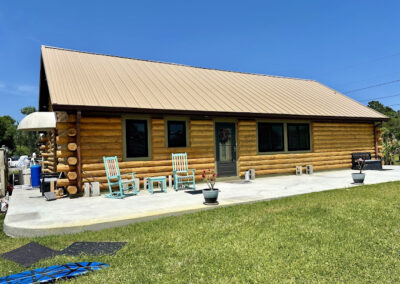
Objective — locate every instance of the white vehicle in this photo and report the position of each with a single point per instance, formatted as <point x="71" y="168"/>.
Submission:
<point x="23" y="162"/>
<point x="13" y="161"/>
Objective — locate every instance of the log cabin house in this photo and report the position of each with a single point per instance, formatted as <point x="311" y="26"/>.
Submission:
<point x="142" y="111"/>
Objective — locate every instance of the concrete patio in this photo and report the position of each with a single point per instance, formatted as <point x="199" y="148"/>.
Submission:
<point x="30" y="215"/>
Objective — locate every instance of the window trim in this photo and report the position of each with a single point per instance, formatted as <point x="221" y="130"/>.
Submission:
<point x="309" y="136"/>
<point x="149" y="149"/>
<point x="182" y="119"/>
<point x="285" y="136"/>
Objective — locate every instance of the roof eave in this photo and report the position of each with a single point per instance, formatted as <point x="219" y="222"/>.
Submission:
<point x="64" y="107"/>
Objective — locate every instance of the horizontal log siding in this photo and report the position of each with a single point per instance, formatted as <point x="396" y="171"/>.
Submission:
<point x="332" y="145"/>
<point x="103" y="137"/>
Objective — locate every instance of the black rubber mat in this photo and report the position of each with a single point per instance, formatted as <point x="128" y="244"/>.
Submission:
<point x="199" y="191"/>
<point x="30" y="254"/>
<point x="93" y="248"/>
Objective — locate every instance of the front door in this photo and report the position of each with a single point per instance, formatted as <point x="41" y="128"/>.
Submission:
<point x="225" y="148"/>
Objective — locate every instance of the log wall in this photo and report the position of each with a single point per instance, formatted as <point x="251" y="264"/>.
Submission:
<point x="332" y="145"/>
<point x="103" y="137"/>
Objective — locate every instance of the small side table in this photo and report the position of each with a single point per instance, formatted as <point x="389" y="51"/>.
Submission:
<point x="160" y="179"/>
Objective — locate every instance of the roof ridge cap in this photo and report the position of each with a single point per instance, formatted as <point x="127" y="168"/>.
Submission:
<point x="176" y="64"/>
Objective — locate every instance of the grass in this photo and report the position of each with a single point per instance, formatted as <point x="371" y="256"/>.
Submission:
<point x="345" y="235"/>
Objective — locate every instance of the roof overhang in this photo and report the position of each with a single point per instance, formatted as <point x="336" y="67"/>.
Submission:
<point x="243" y="115"/>
<point x="38" y="121"/>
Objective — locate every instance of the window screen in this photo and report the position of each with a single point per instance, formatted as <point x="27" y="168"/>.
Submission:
<point x="298" y="136"/>
<point x="136" y="138"/>
<point x="270" y="137"/>
<point x="176" y="133"/>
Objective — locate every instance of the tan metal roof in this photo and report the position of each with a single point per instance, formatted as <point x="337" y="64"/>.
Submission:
<point x="94" y="81"/>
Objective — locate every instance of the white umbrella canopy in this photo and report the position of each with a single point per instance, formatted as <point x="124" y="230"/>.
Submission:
<point x="38" y="121"/>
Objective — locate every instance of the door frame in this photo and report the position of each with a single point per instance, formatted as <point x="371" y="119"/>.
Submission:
<point x="235" y="122"/>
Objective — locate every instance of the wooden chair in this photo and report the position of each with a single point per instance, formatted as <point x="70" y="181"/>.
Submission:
<point x="114" y="178"/>
<point x="183" y="177"/>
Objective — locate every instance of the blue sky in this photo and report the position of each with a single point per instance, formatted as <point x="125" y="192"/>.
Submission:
<point x="344" y="44"/>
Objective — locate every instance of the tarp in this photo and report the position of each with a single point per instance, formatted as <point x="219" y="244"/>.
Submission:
<point x="38" y="121"/>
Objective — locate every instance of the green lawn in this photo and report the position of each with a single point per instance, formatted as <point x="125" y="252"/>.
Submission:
<point x="350" y="235"/>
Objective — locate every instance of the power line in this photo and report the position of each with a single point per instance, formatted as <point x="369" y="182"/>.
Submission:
<point x="366" y="62"/>
<point x="379" y="98"/>
<point x="373" y="86"/>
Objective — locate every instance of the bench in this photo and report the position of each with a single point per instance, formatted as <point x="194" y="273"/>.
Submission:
<point x="370" y="164"/>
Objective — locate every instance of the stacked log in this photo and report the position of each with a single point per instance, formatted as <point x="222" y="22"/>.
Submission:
<point x="66" y="152"/>
<point x="48" y="152"/>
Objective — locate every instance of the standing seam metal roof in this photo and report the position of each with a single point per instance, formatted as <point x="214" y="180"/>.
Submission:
<point x="84" y="79"/>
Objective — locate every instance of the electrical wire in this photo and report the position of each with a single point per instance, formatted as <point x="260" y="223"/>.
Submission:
<point x="379" y="98"/>
<point x="373" y="86"/>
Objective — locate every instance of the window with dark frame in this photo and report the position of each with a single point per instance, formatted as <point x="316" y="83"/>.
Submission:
<point x="270" y="137"/>
<point x="176" y="132"/>
<point x="298" y="136"/>
<point x="136" y="135"/>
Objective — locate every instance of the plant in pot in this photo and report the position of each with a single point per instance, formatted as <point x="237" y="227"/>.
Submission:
<point x="211" y="193"/>
<point x="359" y="177"/>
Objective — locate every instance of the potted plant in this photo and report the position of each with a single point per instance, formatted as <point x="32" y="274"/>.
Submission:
<point x="211" y="193"/>
<point x="359" y="177"/>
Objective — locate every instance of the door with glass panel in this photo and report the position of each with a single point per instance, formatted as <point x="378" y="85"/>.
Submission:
<point x="225" y="148"/>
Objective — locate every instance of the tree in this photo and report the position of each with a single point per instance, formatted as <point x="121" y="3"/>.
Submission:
<point x="8" y="129"/>
<point x="28" y="110"/>
<point x="388" y="111"/>
<point x="27" y="141"/>
<point x="390" y="131"/>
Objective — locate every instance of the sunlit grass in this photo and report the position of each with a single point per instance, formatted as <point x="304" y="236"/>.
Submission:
<point x="345" y="235"/>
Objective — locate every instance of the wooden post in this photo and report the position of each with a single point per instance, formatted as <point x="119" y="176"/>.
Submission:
<point x="78" y="149"/>
<point x="376" y="138"/>
<point x="55" y="149"/>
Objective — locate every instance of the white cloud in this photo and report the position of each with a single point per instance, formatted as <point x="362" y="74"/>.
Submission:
<point x="19" y="90"/>
<point x="26" y="89"/>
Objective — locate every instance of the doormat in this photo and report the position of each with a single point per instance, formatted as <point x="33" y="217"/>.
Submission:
<point x="33" y="252"/>
<point x="29" y="254"/>
<point x="198" y="191"/>
<point x="93" y="248"/>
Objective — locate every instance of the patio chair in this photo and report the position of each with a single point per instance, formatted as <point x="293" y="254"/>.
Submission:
<point x="114" y="178"/>
<point x="183" y="177"/>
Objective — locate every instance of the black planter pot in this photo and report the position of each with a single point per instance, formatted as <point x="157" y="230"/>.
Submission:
<point x="210" y="196"/>
<point x="358" y="178"/>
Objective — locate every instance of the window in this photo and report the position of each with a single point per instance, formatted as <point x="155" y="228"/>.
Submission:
<point x="176" y="132"/>
<point x="136" y="135"/>
<point x="298" y="135"/>
<point x="270" y="137"/>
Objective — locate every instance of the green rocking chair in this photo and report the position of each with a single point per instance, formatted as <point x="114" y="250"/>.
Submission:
<point x="183" y="177"/>
<point x="126" y="187"/>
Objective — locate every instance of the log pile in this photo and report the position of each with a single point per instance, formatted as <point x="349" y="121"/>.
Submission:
<point x="48" y="152"/>
<point x="66" y="152"/>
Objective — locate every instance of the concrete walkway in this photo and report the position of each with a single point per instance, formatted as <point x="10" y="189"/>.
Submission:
<point x="30" y="215"/>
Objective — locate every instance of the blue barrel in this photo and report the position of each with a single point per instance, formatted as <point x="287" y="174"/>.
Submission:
<point x="35" y="175"/>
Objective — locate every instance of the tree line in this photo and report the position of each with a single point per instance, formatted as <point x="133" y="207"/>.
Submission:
<point x="390" y="132"/>
<point x="18" y="142"/>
